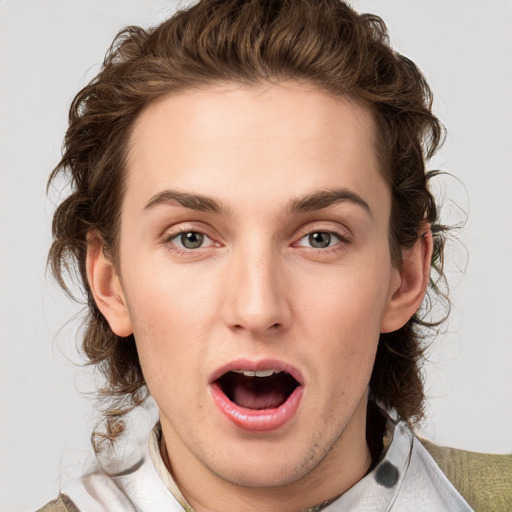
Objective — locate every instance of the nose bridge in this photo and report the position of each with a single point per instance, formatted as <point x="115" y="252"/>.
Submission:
<point x="256" y="300"/>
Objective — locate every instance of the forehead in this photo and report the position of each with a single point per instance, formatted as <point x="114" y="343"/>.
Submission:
<point x="242" y="144"/>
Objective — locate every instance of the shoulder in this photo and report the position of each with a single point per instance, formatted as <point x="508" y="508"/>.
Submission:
<point x="484" y="480"/>
<point x="62" y="504"/>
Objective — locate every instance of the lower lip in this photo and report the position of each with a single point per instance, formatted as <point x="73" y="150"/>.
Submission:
<point x="257" y="420"/>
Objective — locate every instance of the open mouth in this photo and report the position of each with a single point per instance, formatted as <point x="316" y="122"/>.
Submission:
<point x="258" y="397"/>
<point x="257" y="390"/>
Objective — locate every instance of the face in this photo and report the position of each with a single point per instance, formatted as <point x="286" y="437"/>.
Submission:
<point x="255" y="269"/>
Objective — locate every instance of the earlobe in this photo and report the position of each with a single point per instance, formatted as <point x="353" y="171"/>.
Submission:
<point x="106" y="287"/>
<point x="408" y="293"/>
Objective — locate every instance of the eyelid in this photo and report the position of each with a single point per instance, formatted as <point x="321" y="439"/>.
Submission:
<point x="175" y="231"/>
<point x="186" y="227"/>
<point x="340" y="240"/>
<point x="343" y="233"/>
<point x="178" y="234"/>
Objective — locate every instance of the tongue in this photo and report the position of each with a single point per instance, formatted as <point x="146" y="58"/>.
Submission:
<point x="258" y="393"/>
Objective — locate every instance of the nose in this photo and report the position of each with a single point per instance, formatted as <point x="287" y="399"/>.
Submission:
<point x="256" y="300"/>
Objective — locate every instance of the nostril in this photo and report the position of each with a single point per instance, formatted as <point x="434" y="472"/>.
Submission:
<point x="240" y="327"/>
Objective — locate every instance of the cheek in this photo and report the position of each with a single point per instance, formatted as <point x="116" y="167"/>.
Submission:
<point x="166" y="300"/>
<point x="343" y="320"/>
<point x="349" y="302"/>
<point x="174" y="311"/>
<point x="171" y="358"/>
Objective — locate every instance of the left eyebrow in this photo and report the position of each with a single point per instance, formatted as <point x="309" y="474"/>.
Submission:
<point x="325" y="199"/>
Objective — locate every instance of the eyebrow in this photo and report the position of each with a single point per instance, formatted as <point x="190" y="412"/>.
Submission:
<point x="193" y="201"/>
<point x="325" y="199"/>
<point x="311" y="202"/>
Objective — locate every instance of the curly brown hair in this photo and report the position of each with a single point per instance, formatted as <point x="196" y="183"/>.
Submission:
<point x="323" y="43"/>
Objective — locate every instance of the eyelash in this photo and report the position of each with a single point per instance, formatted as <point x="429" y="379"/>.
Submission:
<point x="169" y="241"/>
<point x="343" y="241"/>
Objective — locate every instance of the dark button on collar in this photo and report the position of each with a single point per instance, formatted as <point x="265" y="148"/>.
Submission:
<point x="387" y="474"/>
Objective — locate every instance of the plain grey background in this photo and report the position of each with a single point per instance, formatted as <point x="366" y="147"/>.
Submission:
<point x="49" y="49"/>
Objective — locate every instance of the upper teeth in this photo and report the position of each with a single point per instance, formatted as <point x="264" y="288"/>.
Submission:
<point x="257" y="373"/>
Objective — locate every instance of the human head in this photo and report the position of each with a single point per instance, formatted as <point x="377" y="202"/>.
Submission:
<point x="321" y="43"/>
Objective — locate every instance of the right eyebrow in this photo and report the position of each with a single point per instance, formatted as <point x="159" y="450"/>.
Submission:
<point x="196" y="202"/>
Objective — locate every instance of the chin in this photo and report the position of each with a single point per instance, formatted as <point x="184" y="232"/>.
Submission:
<point x="264" y="476"/>
<point x="272" y="465"/>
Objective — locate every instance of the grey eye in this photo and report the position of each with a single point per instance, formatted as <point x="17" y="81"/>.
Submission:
<point x="192" y="239"/>
<point x="319" y="239"/>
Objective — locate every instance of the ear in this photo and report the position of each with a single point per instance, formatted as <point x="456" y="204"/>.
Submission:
<point x="411" y="285"/>
<point x="106" y="287"/>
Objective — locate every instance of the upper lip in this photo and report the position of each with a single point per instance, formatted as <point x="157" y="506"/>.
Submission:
<point x="262" y="364"/>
